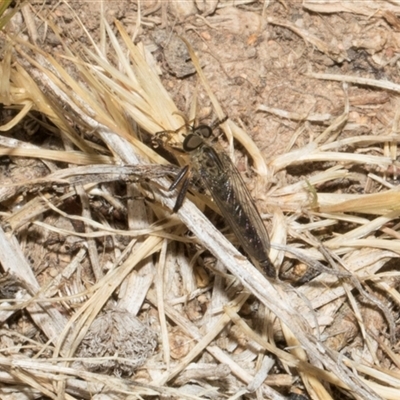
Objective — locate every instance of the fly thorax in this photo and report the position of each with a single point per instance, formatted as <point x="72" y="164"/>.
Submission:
<point x="209" y="160"/>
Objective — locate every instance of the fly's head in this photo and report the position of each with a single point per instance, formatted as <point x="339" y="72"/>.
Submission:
<point x="195" y="140"/>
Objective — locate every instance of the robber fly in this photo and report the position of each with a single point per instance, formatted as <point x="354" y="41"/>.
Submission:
<point x="229" y="192"/>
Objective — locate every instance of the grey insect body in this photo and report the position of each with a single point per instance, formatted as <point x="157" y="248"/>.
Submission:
<point x="231" y="195"/>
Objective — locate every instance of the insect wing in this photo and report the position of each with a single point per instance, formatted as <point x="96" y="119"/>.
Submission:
<point x="231" y="195"/>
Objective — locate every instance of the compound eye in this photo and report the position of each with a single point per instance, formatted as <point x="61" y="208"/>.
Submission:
<point x="203" y="130"/>
<point x="192" y="142"/>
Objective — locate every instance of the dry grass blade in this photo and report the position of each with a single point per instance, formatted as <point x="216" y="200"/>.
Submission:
<point x="73" y="157"/>
<point x="357" y="80"/>
<point x="6" y="17"/>
<point x="377" y="203"/>
<point x="334" y="6"/>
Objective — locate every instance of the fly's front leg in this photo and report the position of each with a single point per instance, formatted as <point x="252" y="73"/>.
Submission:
<point x="219" y="122"/>
<point x="183" y="176"/>
<point x="161" y="138"/>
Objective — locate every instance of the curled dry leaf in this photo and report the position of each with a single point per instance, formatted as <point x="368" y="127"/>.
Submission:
<point x="179" y="343"/>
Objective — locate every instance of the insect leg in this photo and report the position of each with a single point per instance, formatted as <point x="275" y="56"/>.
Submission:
<point x="184" y="176"/>
<point x="218" y="122"/>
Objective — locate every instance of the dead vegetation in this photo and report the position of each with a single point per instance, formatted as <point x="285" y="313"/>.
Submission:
<point x="106" y="292"/>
